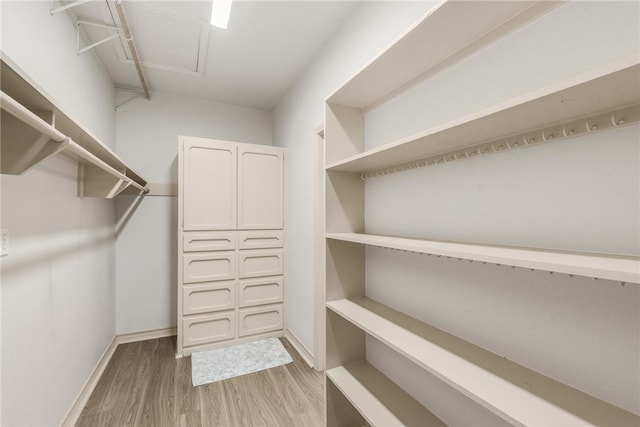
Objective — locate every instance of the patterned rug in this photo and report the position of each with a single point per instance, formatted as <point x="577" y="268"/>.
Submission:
<point x="220" y="364"/>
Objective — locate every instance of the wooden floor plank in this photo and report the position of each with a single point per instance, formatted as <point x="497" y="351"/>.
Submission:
<point x="144" y="385"/>
<point x="160" y="393"/>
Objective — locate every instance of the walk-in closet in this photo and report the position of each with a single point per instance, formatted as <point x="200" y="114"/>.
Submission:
<point x="319" y="213"/>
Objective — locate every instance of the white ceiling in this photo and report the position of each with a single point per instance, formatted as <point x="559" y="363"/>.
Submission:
<point x="267" y="45"/>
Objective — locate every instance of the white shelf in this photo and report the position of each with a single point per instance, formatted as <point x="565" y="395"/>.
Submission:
<point x="431" y="44"/>
<point x="614" y="86"/>
<point x="623" y="269"/>
<point x="378" y="399"/>
<point x="25" y="143"/>
<point x="513" y="392"/>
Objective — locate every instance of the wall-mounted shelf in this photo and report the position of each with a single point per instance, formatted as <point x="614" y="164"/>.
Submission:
<point x="602" y="98"/>
<point x="378" y="400"/>
<point x="430" y="45"/>
<point x="514" y="393"/>
<point x="610" y="267"/>
<point x="34" y="128"/>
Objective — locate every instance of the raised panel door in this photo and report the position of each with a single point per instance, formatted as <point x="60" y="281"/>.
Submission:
<point x="209" y="185"/>
<point x="260" y="187"/>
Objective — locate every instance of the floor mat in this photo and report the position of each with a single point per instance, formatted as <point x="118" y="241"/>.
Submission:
<point x="220" y="364"/>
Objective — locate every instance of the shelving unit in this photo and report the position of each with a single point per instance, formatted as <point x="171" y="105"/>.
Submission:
<point x="623" y="269"/>
<point x="513" y="392"/>
<point x="357" y="392"/>
<point x="35" y="128"/>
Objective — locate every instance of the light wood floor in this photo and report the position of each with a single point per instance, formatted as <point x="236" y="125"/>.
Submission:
<point x="144" y="385"/>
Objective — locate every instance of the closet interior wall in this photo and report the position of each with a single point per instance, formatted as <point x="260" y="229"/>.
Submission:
<point x="370" y="27"/>
<point x="58" y="279"/>
<point x="146" y="249"/>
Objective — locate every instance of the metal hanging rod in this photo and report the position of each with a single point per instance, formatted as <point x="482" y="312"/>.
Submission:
<point x="620" y="117"/>
<point x="620" y="282"/>
<point x="23" y="114"/>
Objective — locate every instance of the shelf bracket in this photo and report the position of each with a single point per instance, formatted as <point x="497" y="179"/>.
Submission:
<point x="80" y="49"/>
<point x="136" y="95"/>
<point x="54" y="10"/>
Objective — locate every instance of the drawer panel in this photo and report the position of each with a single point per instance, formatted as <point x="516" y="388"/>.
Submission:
<point x="208" y="328"/>
<point x="208" y="267"/>
<point x="206" y="297"/>
<point x="268" y="262"/>
<point x="260" y="239"/>
<point x="265" y="290"/>
<point x="209" y="241"/>
<point x="258" y="320"/>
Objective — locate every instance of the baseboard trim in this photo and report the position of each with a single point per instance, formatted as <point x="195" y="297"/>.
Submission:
<point x="71" y="418"/>
<point x="146" y="335"/>
<point x="73" y="414"/>
<point x="300" y="348"/>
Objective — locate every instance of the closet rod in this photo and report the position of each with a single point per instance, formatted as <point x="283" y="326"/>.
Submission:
<point x="23" y="114"/>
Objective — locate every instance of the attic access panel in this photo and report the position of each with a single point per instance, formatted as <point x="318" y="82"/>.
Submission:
<point x="165" y="41"/>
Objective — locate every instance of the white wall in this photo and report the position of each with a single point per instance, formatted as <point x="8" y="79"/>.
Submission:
<point x="147" y="135"/>
<point x="58" y="290"/>
<point x="579" y="194"/>
<point x="368" y="30"/>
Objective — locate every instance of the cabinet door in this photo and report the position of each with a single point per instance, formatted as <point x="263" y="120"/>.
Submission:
<point x="260" y="187"/>
<point x="209" y="185"/>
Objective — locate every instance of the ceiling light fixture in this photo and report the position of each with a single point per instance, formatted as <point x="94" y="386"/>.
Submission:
<point x="220" y="11"/>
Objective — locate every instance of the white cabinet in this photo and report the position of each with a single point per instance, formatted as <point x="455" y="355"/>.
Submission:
<point x="231" y="243"/>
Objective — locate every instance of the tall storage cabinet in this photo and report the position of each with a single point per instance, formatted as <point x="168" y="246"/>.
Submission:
<point x="230" y="243"/>
<point x="357" y="393"/>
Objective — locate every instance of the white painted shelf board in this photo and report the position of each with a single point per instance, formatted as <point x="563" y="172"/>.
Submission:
<point x="430" y="43"/>
<point x="606" y="88"/>
<point x="610" y="267"/>
<point x="20" y="87"/>
<point x="378" y="399"/>
<point x="511" y="391"/>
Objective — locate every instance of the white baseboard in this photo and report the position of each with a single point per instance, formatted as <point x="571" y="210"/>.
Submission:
<point x="71" y="418"/>
<point x="146" y="335"/>
<point x="300" y="348"/>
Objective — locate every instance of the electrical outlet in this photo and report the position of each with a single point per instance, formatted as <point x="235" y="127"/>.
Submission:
<point x="4" y="241"/>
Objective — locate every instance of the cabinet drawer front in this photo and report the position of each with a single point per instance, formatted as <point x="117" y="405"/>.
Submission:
<point x="260" y="239"/>
<point x="258" y="320"/>
<point x="209" y="328"/>
<point x="208" y="297"/>
<point x="209" y="241"/>
<point x="208" y="267"/>
<point x="267" y="262"/>
<point x="265" y="290"/>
